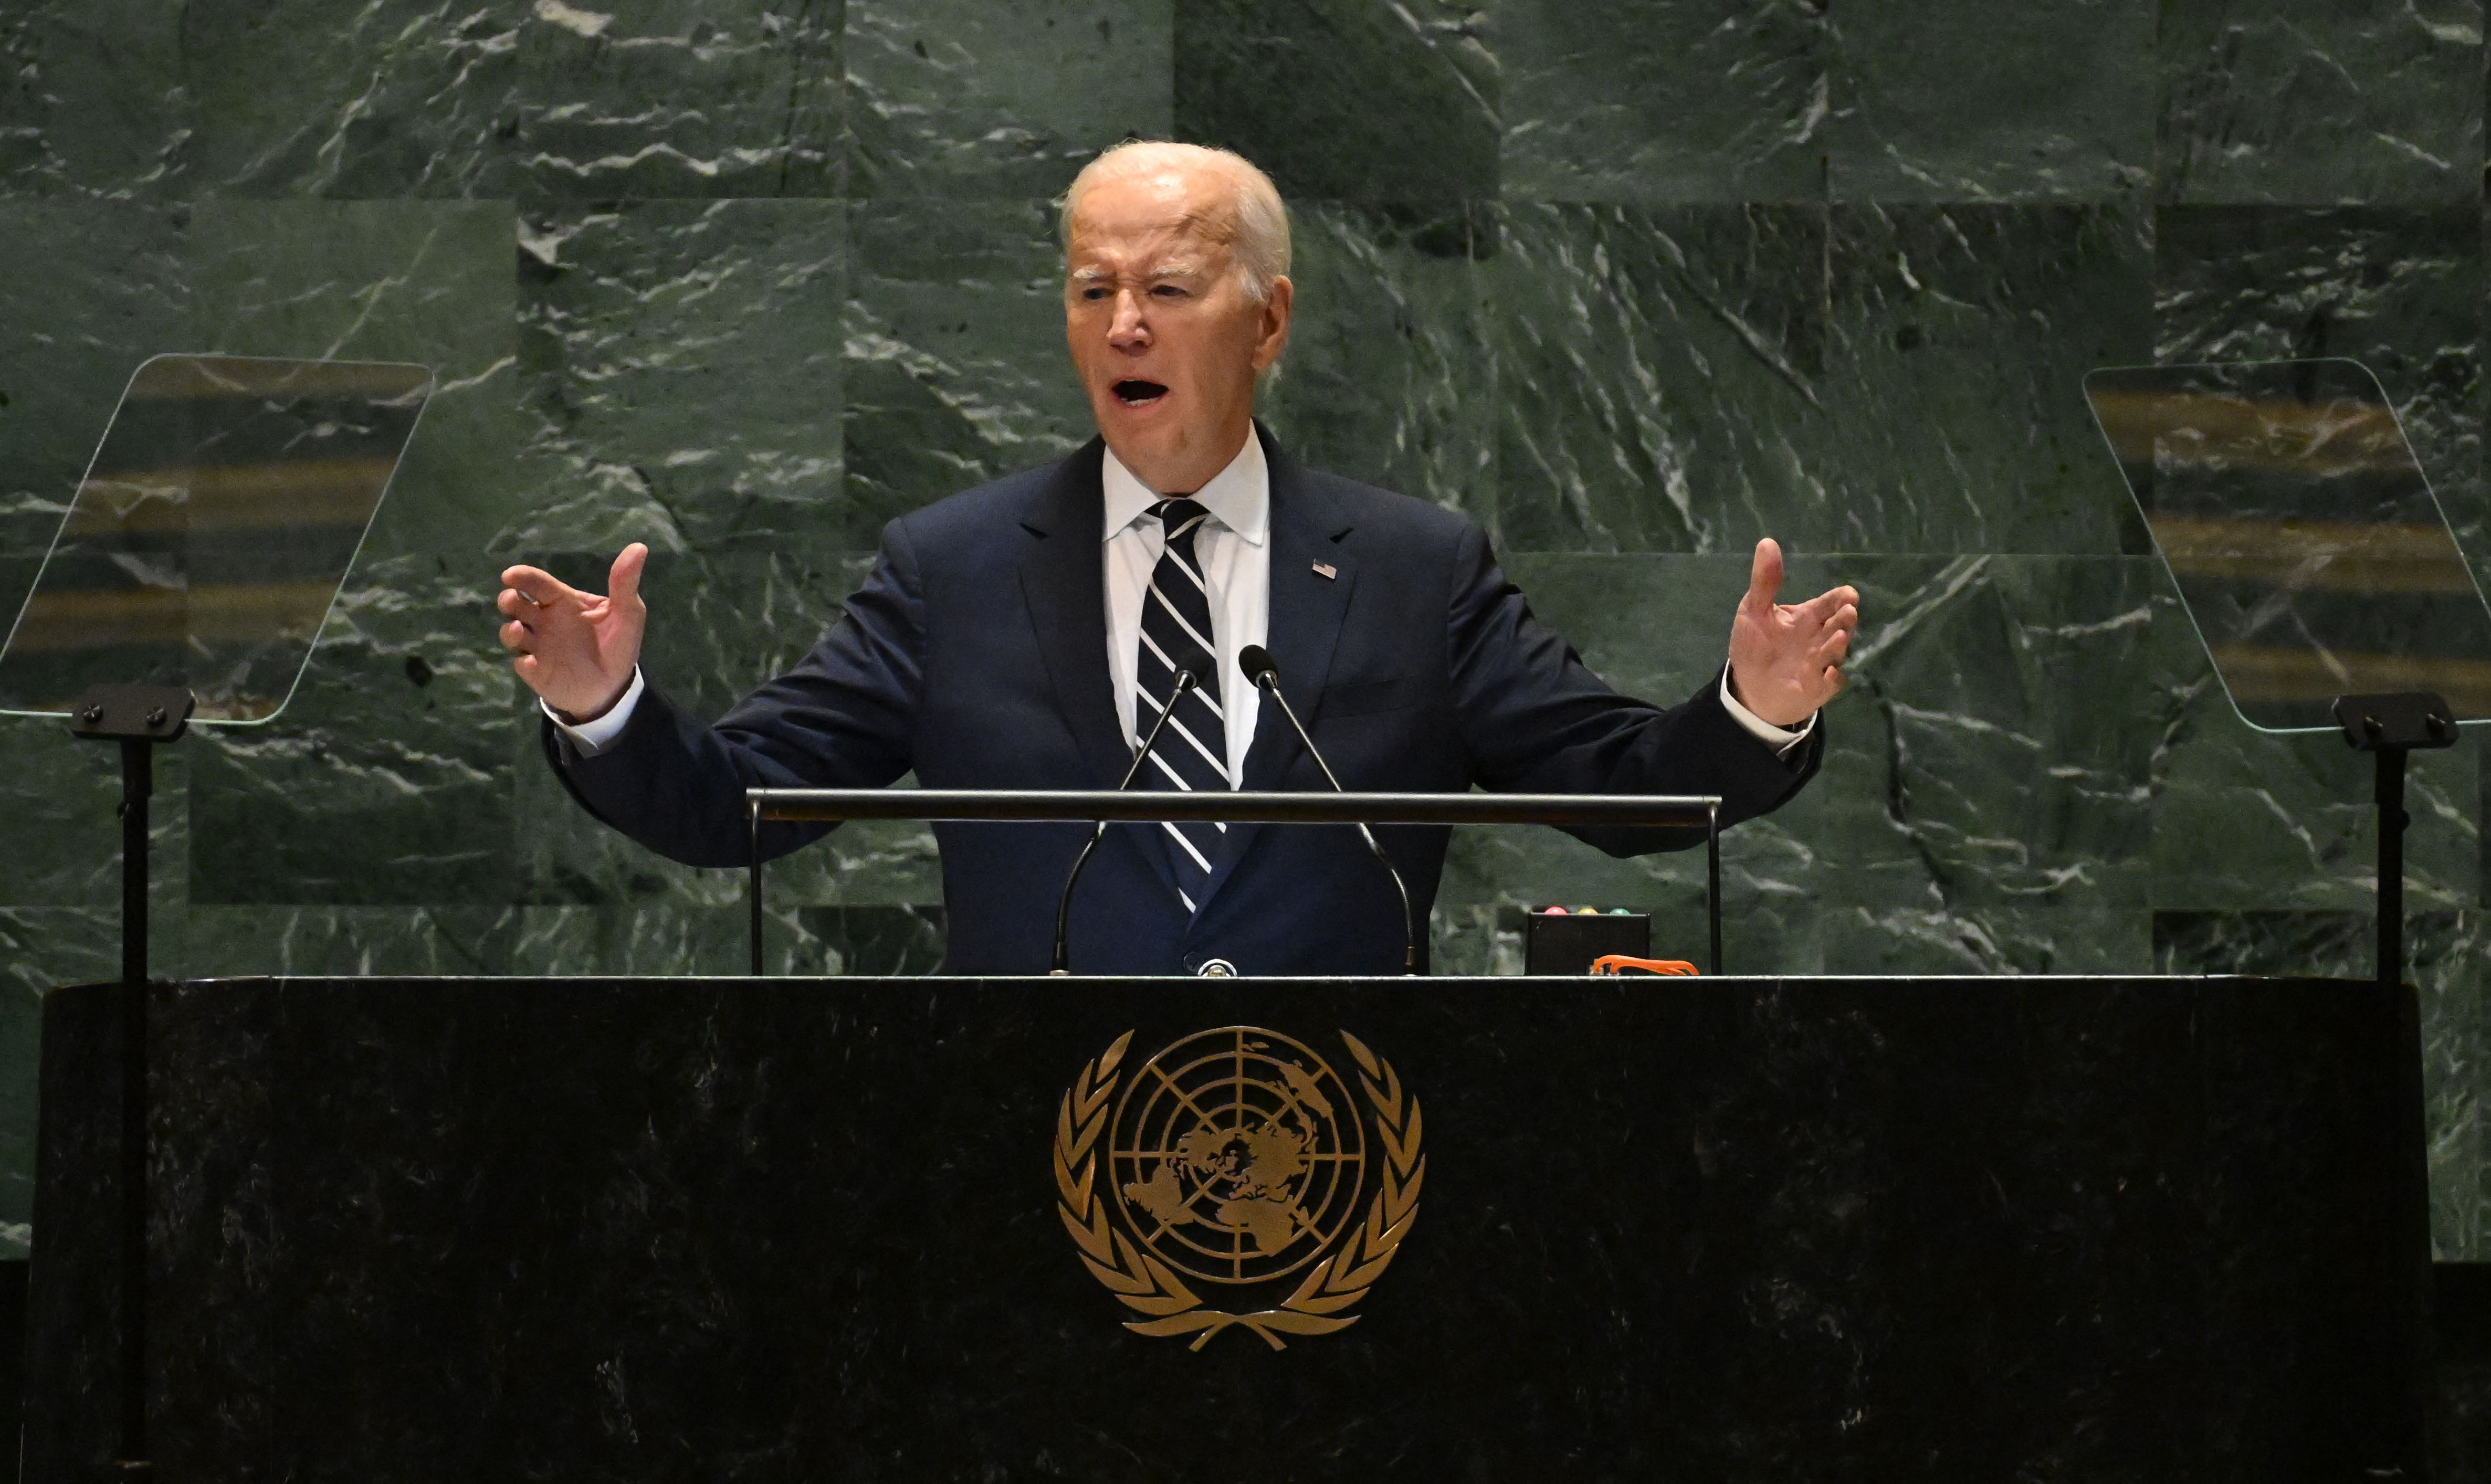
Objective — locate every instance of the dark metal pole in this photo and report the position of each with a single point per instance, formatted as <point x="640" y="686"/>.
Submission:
<point x="2391" y="725"/>
<point x="2392" y="820"/>
<point x="752" y="817"/>
<point x="140" y="717"/>
<point x="137" y="783"/>
<point x="1712" y="881"/>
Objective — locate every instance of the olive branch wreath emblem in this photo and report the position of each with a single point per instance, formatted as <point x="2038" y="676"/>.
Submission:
<point x="1140" y="1281"/>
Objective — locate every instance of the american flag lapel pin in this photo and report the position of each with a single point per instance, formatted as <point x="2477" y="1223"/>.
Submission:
<point x="1324" y="570"/>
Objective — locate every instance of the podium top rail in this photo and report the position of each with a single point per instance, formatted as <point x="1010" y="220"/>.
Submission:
<point x="1084" y="805"/>
<point x="831" y="806"/>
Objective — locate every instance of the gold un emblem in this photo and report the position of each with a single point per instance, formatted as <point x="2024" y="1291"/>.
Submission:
<point x="1239" y="1158"/>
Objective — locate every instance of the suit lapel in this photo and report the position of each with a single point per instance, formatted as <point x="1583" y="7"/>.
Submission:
<point x="1063" y="580"/>
<point x="1306" y="612"/>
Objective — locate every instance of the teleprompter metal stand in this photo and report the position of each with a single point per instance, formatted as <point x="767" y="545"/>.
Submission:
<point x="2389" y="727"/>
<point x="202" y="553"/>
<point x="2310" y="555"/>
<point x="140" y="718"/>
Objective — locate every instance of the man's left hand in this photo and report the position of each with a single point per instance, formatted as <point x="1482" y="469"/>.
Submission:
<point x="1785" y="661"/>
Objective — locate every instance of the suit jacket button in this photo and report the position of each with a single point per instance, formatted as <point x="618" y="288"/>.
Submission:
<point x="1217" y="968"/>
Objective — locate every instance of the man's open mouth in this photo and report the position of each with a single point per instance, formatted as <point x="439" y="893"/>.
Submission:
<point x="1136" y="394"/>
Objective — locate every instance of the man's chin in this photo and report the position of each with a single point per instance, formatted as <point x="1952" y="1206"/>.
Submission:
<point x="1146" y="434"/>
<point x="1142" y="451"/>
<point x="1163" y="450"/>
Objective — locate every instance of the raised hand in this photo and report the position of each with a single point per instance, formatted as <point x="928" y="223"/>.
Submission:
<point x="575" y="649"/>
<point x="1785" y="662"/>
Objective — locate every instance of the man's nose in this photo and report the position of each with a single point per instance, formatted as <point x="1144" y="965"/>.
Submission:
<point x="1126" y="332"/>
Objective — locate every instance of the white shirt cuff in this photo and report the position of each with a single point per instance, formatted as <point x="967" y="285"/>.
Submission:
<point x="1781" y="738"/>
<point x="592" y="737"/>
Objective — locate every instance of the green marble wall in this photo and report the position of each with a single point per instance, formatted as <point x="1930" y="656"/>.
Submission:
<point x="1631" y="285"/>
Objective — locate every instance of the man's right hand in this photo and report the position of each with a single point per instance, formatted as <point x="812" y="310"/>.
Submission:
<point x="577" y="650"/>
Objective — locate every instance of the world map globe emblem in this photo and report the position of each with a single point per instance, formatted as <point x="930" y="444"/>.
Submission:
<point x="1237" y="1156"/>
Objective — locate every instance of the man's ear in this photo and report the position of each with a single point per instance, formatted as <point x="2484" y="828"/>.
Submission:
<point x="1276" y="323"/>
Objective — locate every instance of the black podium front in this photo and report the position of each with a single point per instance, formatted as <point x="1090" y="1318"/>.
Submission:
<point x="852" y="1229"/>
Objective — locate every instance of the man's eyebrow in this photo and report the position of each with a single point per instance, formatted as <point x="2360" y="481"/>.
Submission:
<point x="1181" y="268"/>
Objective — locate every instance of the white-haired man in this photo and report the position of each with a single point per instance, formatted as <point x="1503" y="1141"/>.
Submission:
<point x="1027" y="633"/>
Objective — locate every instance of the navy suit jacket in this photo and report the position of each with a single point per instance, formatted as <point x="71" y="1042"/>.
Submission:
<point x="976" y="655"/>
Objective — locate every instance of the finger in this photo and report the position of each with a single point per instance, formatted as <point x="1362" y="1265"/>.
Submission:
<point x="536" y="585"/>
<point x="1765" y="575"/>
<point x="623" y="583"/>
<point x="1832" y="650"/>
<point x="514" y="636"/>
<point x="1845" y="620"/>
<point x="515" y="604"/>
<point x="1822" y="608"/>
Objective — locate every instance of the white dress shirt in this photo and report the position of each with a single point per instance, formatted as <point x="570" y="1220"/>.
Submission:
<point x="1234" y="545"/>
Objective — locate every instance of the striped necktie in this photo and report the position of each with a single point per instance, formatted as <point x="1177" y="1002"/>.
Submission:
<point x="1192" y="753"/>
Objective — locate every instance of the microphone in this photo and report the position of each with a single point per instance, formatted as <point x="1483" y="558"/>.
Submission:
<point x="1256" y="662"/>
<point x="1190" y="668"/>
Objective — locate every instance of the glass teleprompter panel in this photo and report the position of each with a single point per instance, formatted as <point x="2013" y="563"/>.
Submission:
<point x="2307" y="543"/>
<point x="211" y="531"/>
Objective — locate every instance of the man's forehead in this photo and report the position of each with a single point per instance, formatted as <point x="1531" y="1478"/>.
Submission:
<point x="1187" y="229"/>
<point x="1182" y="247"/>
<point x="1191" y="204"/>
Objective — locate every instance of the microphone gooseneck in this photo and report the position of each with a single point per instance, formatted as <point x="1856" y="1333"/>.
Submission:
<point x="1187" y="676"/>
<point x="1256" y="663"/>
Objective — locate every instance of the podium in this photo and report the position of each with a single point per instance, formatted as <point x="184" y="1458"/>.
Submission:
<point x="812" y="1229"/>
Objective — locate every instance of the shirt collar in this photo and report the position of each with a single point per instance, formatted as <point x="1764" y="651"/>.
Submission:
<point x="1238" y="497"/>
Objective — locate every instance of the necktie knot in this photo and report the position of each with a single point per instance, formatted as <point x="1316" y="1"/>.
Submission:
<point x="1180" y="519"/>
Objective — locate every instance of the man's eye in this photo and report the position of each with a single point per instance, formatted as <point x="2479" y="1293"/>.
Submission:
<point x="1094" y="293"/>
<point x="1168" y="291"/>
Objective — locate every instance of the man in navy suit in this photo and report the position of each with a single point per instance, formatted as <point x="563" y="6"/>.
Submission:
<point x="1027" y="633"/>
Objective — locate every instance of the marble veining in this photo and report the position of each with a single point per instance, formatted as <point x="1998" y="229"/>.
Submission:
<point x="1631" y="286"/>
